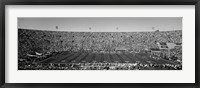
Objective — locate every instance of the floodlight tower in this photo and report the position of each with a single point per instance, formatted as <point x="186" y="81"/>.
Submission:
<point x="56" y="27"/>
<point x="153" y="28"/>
<point x="117" y="28"/>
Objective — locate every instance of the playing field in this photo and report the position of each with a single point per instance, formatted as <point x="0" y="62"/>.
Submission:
<point x="66" y="57"/>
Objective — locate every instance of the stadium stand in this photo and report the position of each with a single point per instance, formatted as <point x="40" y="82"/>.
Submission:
<point x="102" y="50"/>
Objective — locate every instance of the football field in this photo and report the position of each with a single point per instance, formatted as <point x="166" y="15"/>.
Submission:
<point x="79" y="57"/>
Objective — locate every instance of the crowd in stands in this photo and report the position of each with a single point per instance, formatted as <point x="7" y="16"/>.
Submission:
<point x="54" y="41"/>
<point x="100" y="66"/>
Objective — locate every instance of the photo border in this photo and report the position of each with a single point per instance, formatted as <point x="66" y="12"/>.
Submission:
<point x="99" y="2"/>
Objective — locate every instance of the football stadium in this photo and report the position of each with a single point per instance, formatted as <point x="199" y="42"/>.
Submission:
<point x="65" y="50"/>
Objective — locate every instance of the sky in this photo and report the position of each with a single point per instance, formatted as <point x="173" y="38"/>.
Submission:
<point x="102" y="24"/>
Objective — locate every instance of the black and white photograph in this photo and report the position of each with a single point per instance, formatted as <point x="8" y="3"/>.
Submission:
<point x="99" y="43"/>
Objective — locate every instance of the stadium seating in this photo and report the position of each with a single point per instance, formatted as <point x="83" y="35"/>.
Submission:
<point x="41" y="45"/>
